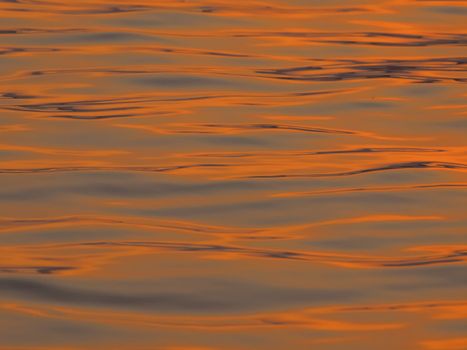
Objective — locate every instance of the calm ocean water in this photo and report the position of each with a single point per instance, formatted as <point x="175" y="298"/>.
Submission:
<point x="233" y="175"/>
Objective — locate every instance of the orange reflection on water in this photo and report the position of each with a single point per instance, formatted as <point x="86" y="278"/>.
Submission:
<point x="211" y="174"/>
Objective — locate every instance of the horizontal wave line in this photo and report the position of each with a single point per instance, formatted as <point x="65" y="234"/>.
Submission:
<point x="396" y="166"/>
<point x="362" y="38"/>
<point x="45" y="270"/>
<point x="437" y="255"/>
<point x="362" y="150"/>
<point x="218" y="8"/>
<point x="142" y="103"/>
<point x="9" y="224"/>
<point x="222" y="232"/>
<point x="225" y="129"/>
<point x="454" y="255"/>
<point x="147" y="169"/>
<point x="426" y="71"/>
<point x="374" y="189"/>
<point x="299" y="317"/>
<point x="306" y="318"/>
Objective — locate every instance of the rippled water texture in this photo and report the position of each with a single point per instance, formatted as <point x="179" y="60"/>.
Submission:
<point x="233" y="175"/>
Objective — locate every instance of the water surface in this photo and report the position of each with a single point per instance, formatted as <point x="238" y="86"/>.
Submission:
<point x="220" y="175"/>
